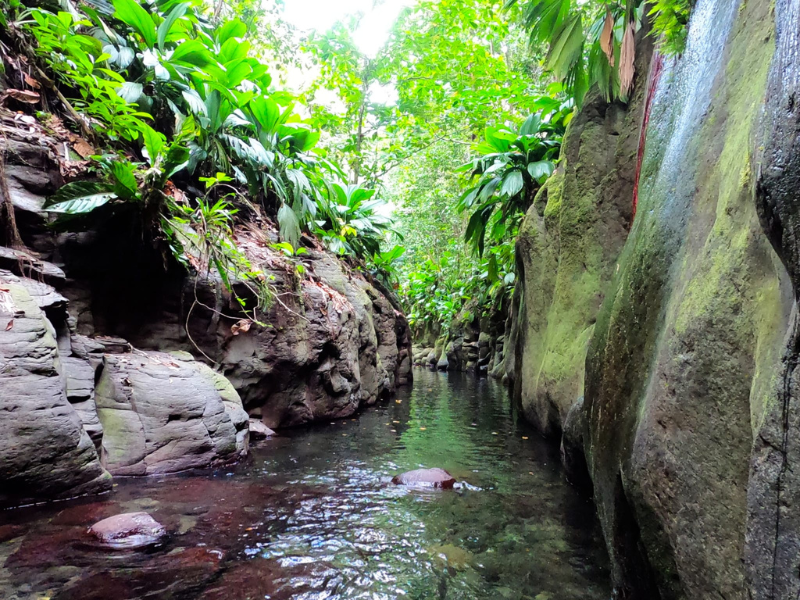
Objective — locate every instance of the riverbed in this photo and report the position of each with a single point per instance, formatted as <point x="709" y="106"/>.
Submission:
<point x="312" y="514"/>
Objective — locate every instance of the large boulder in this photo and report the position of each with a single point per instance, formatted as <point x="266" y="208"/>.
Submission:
<point x="164" y="414"/>
<point x="45" y="452"/>
<point x="329" y="343"/>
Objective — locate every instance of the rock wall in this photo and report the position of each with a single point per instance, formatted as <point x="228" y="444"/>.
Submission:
<point x="686" y="427"/>
<point x="772" y="541"/>
<point x="473" y="345"/>
<point x="567" y="249"/>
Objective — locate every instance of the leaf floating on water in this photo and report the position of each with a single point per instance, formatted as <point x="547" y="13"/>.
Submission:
<point x="524" y="437"/>
<point x="606" y="37"/>
<point x="627" y="56"/>
<point x="399" y="401"/>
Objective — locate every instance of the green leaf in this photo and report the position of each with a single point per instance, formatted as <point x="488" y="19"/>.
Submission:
<point x="266" y="112"/>
<point x="125" y="185"/>
<point x="193" y="52"/>
<point x="541" y="170"/>
<point x="289" y="224"/>
<point x="231" y="29"/>
<point x="130" y="91"/>
<point x="131" y="13"/>
<point x="566" y="46"/>
<point x="166" y="25"/>
<point x="79" y="197"/>
<point x="194" y="102"/>
<point x="153" y="143"/>
<point x="531" y="125"/>
<point x="512" y="183"/>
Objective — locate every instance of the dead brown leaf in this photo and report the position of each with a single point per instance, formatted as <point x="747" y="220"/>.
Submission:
<point x="31" y="81"/>
<point x="606" y="38"/>
<point x="84" y="148"/>
<point x="23" y="96"/>
<point x="9" y="325"/>
<point x="627" y="56"/>
<point x="242" y="325"/>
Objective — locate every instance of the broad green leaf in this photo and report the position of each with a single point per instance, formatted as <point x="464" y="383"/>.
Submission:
<point x="541" y="170"/>
<point x="194" y="102"/>
<point x="79" y="197"/>
<point x="231" y="29"/>
<point x="233" y="49"/>
<point x="153" y="142"/>
<point x="266" y="112"/>
<point x="193" y="52"/>
<point x="130" y="91"/>
<point x="125" y="185"/>
<point x="166" y="25"/>
<point x="131" y="13"/>
<point x="512" y="183"/>
<point x="566" y="46"/>
<point x="289" y="224"/>
<point x="236" y="72"/>
<point x="531" y="125"/>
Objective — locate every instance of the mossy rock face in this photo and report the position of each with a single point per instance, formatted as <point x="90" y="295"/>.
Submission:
<point x="772" y="551"/>
<point x="566" y="255"/>
<point x="686" y="349"/>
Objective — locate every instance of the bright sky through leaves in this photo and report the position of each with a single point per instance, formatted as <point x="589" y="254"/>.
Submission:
<point x="378" y="18"/>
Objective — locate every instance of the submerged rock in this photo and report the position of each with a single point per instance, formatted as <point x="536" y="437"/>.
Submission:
<point x="259" y="431"/>
<point x="448" y="555"/>
<point x="426" y="478"/>
<point x="128" y="531"/>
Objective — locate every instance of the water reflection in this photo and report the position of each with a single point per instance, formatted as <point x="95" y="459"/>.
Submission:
<point x="312" y="515"/>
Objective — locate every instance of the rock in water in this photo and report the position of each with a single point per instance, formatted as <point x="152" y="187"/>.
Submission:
<point x="128" y="531"/>
<point x="259" y="431"/>
<point x="426" y="478"/>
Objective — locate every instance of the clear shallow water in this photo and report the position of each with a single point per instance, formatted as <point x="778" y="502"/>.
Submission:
<point x="312" y="515"/>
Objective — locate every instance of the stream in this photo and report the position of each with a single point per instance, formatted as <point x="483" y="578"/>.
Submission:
<point x="312" y="514"/>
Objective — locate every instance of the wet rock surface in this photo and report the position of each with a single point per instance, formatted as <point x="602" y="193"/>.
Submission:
<point x="426" y="478"/>
<point x="128" y="531"/>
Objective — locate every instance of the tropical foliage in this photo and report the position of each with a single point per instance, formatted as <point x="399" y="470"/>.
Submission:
<point x="179" y="94"/>
<point x="510" y="169"/>
<point x="593" y="43"/>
